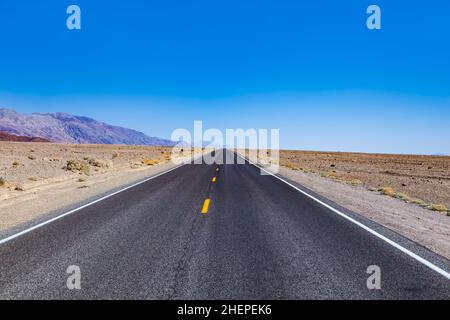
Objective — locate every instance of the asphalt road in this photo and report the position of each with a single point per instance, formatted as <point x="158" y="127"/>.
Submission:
<point x="260" y="239"/>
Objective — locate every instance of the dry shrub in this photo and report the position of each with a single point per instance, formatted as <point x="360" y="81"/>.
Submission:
<point x="289" y="166"/>
<point x="331" y="174"/>
<point x="100" y="163"/>
<point x="401" y="196"/>
<point x="355" y="182"/>
<point x="135" y="165"/>
<point x="388" y="191"/>
<point x="2" y="182"/>
<point x="150" y="162"/>
<point x="438" y="207"/>
<point x="75" y="165"/>
<point x="419" y="202"/>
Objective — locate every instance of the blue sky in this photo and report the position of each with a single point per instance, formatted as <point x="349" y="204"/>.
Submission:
<point x="310" y="68"/>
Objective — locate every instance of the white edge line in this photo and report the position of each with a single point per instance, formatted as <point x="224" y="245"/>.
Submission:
<point x="359" y="224"/>
<point x="16" y="235"/>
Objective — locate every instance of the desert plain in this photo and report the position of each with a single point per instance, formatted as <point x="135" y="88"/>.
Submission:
<point x="40" y="178"/>
<point x="409" y="194"/>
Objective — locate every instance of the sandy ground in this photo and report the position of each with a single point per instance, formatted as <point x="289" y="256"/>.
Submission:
<point x="417" y="177"/>
<point x="38" y="178"/>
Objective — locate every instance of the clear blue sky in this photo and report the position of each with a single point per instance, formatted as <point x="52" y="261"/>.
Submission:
<point x="310" y="68"/>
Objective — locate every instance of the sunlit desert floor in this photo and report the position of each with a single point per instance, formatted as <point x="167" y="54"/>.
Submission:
<point x="38" y="178"/>
<point x="409" y="194"/>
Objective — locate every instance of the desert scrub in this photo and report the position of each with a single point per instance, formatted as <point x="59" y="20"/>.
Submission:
<point x="2" y="182"/>
<point x="15" y="163"/>
<point x="31" y="157"/>
<point x="290" y="166"/>
<point x="355" y="182"/>
<point x="149" y="162"/>
<point x="115" y="155"/>
<point x="33" y="179"/>
<point x="75" y="165"/>
<point x="82" y="179"/>
<point x="401" y="196"/>
<point x="100" y="163"/>
<point x="135" y="165"/>
<point x="438" y="207"/>
<point x="331" y="175"/>
<point x="419" y="202"/>
<point x="388" y="191"/>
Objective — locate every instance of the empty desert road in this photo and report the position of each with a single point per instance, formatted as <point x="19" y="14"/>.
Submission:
<point x="258" y="238"/>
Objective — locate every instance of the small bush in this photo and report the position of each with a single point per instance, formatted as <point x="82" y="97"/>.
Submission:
<point x="290" y="166"/>
<point x="2" y="182"/>
<point x="82" y="179"/>
<point x="33" y="179"/>
<point x="388" y="191"/>
<point x="418" y="202"/>
<point x="115" y="155"/>
<point x="15" y="163"/>
<point x="438" y="207"/>
<point x="135" y="165"/>
<point x="401" y="196"/>
<point x="355" y="182"/>
<point x="31" y="157"/>
<point x="99" y="163"/>
<point x="75" y="165"/>
<point x="150" y="162"/>
<point x="331" y="174"/>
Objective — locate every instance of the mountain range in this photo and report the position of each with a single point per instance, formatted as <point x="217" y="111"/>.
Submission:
<point x="66" y="128"/>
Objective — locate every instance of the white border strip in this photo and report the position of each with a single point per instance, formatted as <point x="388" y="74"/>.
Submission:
<point x="359" y="224"/>
<point x="84" y="206"/>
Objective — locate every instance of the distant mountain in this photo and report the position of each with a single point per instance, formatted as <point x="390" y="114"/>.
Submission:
<point x="66" y="128"/>
<point x="4" y="136"/>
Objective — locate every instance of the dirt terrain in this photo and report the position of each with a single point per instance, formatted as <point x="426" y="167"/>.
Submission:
<point x="421" y="180"/>
<point x="38" y="178"/>
<point x="406" y="193"/>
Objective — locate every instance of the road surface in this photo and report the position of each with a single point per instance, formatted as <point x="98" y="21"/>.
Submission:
<point x="258" y="238"/>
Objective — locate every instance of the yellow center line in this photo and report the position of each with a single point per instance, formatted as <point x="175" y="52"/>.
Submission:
<point x="214" y="179"/>
<point x="206" y="205"/>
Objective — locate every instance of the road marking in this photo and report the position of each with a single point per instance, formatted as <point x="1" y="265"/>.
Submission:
<point x="359" y="224"/>
<point x="84" y="206"/>
<point x="206" y="205"/>
<point x="214" y="179"/>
